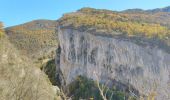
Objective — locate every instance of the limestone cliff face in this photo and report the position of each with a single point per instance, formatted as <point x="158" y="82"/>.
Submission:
<point x="145" y="68"/>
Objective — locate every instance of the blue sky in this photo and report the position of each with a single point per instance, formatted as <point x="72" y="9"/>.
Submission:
<point x="13" y="12"/>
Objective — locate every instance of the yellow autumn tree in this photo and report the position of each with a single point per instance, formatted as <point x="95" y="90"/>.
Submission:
<point x="1" y="29"/>
<point x="111" y="21"/>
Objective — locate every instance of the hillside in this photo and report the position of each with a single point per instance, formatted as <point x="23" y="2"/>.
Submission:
<point x="34" y="39"/>
<point x="128" y="48"/>
<point x="159" y="15"/>
<point x="38" y="37"/>
<point x="114" y="21"/>
<point x="157" y="10"/>
<point x="20" y="79"/>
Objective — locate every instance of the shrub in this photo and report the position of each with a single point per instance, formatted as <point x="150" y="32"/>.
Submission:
<point x="50" y="70"/>
<point x="84" y="88"/>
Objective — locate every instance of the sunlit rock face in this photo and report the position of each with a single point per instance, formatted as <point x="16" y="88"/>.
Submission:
<point x="145" y="68"/>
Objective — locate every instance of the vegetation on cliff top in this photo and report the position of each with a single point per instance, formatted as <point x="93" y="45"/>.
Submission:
<point x="113" y="21"/>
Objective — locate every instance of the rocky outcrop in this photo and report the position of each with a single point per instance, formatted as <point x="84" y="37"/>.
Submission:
<point x="145" y="68"/>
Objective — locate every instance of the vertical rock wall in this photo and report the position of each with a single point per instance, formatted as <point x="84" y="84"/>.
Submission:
<point x="146" y="69"/>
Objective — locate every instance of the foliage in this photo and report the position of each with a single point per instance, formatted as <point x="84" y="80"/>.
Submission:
<point x="32" y="37"/>
<point x="113" y="21"/>
<point x="50" y="70"/>
<point x="84" y="88"/>
<point x="1" y="29"/>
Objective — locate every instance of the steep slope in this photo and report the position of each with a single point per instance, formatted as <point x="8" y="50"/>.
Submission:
<point x="34" y="39"/>
<point x="20" y="79"/>
<point x="113" y="47"/>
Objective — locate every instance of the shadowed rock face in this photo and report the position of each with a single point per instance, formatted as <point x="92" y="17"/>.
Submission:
<point x="147" y="69"/>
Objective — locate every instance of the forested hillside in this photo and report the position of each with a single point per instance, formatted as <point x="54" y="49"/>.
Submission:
<point x="34" y="38"/>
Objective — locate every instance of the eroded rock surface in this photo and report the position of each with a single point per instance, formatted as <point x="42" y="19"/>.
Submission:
<point x="145" y="68"/>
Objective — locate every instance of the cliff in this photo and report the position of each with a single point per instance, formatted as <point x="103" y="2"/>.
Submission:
<point x="119" y="60"/>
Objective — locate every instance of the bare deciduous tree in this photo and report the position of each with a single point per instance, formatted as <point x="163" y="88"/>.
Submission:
<point x="103" y="89"/>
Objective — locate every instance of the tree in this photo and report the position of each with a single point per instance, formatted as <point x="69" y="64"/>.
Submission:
<point x="1" y="29"/>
